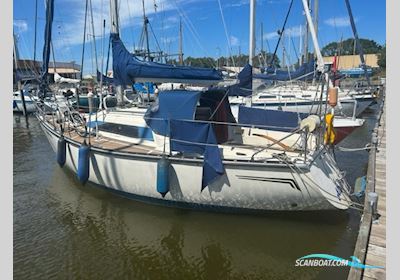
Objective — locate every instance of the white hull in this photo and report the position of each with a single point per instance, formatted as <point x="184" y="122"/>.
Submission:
<point x="345" y="108"/>
<point x="29" y="105"/>
<point x="244" y="186"/>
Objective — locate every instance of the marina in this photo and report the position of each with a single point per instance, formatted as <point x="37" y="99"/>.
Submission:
<point x="159" y="165"/>
<point x="70" y="220"/>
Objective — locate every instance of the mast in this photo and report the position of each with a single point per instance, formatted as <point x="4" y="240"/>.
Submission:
<point x="359" y="48"/>
<point x="301" y="45"/>
<point x="46" y="48"/>
<point x="306" y="32"/>
<point x="34" y="40"/>
<point x="320" y="60"/>
<point x="180" y="43"/>
<point x="114" y="17"/>
<point x="252" y="31"/>
<point x="146" y="34"/>
<point x="316" y="14"/>
<point x="115" y="31"/>
<point x="94" y="37"/>
<point x="16" y="58"/>
<point x="283" y="50"/>
<point x="262" y="37"/>
<point x="84" y="40"/>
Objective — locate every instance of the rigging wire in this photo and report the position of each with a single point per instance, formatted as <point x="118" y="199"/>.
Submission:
<point x="281" y="33"/>
<point x="226" y="33"/>
<point x="130" y="16"/>
<point x="194" y="32"/>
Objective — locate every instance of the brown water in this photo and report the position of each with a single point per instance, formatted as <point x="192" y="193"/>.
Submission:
<point x="63" y="230"/>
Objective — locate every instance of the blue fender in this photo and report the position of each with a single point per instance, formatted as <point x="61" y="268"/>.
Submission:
<point x="83" y="163"/>
<point x="163" y="175"/>
<point x="61" y="151"/>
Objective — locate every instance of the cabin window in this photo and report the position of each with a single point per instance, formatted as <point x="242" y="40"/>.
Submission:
<point x="288" y="96"/>
<point x="127" y="130"/>
<point x="267" y="96"/>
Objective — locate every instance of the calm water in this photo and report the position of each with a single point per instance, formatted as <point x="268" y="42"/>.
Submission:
<point x="63" y="230"/>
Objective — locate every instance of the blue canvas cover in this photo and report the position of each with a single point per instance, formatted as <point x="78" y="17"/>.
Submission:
<point x="171" y="115"/>
<point x="244" y="87"/>
<point x="178" y="105"/>
<point x="202" y="141"/>
<point x="275" y="119"/>
<point x="306" y="70"/>
<point x="127" y="67"/>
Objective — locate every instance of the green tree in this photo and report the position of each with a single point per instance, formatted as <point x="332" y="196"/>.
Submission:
<point x="382" y="57"/>
<point x="347" y="47"/>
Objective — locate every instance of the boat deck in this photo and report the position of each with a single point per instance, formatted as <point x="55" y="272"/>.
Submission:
<point x="234" y="152"/>
<point x="106" y="143"/>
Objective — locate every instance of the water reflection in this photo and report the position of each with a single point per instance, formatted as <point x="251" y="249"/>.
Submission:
<point x="146" y="241"/>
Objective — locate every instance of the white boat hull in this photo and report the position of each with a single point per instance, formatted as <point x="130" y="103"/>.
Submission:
<point x="29" y="105"/>
<point x="310" y="107"/>
<point x="244" y="186"/>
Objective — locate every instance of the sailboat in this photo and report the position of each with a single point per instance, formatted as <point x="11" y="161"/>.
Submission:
<point x="288" y="93"/>
<point x="187" y="150"/>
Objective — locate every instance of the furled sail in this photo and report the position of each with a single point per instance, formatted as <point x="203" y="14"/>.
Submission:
<point x="129" y="69"/>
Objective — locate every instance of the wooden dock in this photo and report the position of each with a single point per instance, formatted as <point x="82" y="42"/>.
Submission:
<point x="371" y="242"/>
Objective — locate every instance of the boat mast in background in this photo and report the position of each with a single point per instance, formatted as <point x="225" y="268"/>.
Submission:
<point x="46" y="48"/>
<point x="94" y="37"/>
<point x="306" y="39"/>
<point x="252" y="31"/>
<point x="320" y="60"/>
<point x="316" y="13"/>
<point x="359" y="47"/>
<point x="84" y="39"/>
<point x="16" y="59"/>
<point x="34" y="40"/>
<point x="180" y="43"/>
<point x="146" y="32"/>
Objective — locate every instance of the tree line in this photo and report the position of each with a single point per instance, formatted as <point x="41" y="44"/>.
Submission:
<point x="263" y="59"/>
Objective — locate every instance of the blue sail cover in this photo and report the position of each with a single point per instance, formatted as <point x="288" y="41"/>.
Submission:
<point x="191" y="137"/>
<point x="127" y="68"/>
<point x="244" y="87"/>
<point x="305" y="71"/>
<point x="275" y="119"/>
